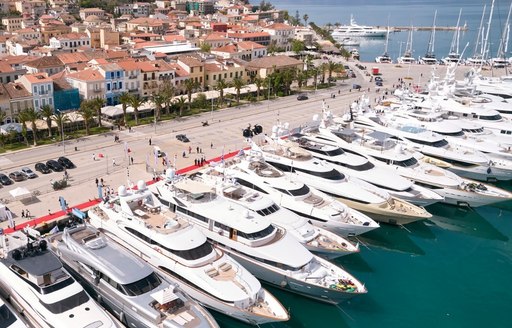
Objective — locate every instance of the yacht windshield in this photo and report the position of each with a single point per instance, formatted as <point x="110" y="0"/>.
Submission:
<point x="268" y="210"/>
<point x="257" y="235"/>
<point x="194" y="253"/>
<point x="142" y="286"/>
<point x="329" y="175"/>
<point x="496" y="117"/>
<point x="406" y="163"/>
<point x="304" y="190"/>
<point x="67" y="303"/>
<point x="438" y="144"/>
<point x="452" y="134"/>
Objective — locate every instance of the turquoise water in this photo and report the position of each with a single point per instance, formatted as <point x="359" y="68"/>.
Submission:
<point x="451" y="271"/>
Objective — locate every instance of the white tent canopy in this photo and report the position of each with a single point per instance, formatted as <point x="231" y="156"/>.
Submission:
<point x="20" y="192"/>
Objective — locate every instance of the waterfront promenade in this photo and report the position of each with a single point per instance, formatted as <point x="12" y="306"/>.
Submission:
<point x="224" y="132"/>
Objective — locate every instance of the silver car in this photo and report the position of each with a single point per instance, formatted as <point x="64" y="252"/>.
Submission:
<point x="28" y="173"/>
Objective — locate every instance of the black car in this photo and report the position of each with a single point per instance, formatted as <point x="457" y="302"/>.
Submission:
<point x="378" y="78"/>
<point x="17" y="176"/>
<point x="41" y="167"/>
<point x="302" y="97"/>
<point x="55" y="166"/>
<point x="64" y="161"/>
<point x="4" y="179"/>
<point x="182" y="138"/>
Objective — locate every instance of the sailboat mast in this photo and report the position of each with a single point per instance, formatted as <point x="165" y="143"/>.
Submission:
<point x="454" y="48"/>
<point x="504" y="36"/>
<point x="486" y="40"/>
<point x="434" y="33"/>
<point x="477" y="42"/>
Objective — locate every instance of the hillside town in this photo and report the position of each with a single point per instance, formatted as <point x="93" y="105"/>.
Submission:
<point x="63" y="61"/>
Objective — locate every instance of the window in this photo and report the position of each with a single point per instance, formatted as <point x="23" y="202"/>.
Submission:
<point x="50" y="101"/>
<point x="67" y="303"/>
<point x="257" y="235"/>
<point x="120" y="85"/>
<point x="142" y="286"/>
<point x="36" y="103"/>
<point x="108" y="86"/>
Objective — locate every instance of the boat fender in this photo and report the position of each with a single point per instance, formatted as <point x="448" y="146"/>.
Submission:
<point x="121" y="317"/>
<point x="283" y="283"/>
<point x="99" y="299"/>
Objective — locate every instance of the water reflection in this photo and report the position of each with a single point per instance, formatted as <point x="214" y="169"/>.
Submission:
<point x="391" y="238"/>
<point x="355" y="262"/>
<point x="464" y="220"/>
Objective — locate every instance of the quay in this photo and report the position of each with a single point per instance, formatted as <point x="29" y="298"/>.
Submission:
<point x="425" y="28"/>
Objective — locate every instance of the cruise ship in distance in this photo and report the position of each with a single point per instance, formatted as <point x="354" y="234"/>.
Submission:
<point x="353" y="30"/>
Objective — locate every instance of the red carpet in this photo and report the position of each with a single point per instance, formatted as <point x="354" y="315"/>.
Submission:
<point x="53" y="216"/>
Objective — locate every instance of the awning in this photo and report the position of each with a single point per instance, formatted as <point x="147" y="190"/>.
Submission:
<point x="20" y="192"/>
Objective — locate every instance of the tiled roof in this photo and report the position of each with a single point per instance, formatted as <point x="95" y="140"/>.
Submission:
<point x="212" y="67"/>
<point x="45" y="61"/>
<point x="248" y="35"/>
<point x="128" y="65"/>
<point x="37" y="78"/>
<point x="189" y="61"/>
<point x="280" y="26"/>
<point x="270" y="61"/>
<point x="171" y="38"/>
<point x="249" y="45"/>
<point x="87" y="75"/>
<point x="16" y="90"/>
<point x="69" y="58"/>
<point x="72" y="36"/>
<point x="5" y="68"/>
<point x="180" y="71"/>
<point x="229" y="48"/>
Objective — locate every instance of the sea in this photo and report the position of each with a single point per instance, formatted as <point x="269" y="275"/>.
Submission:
<point x="454" y="270"/>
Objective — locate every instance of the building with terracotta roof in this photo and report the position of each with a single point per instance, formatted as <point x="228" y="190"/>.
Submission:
<point x="265" y="66"/>
<point x="246" y="50"/>
<point x="31" y="9"/>
<point x="53" y="29"/>
<point x="132" y="75"/>
<point x="194" y="67"/>
<point x="71" y="41"/>
<point x="262" y="38"/>
<point x="46" y="64"/>
<point x="27" y="33"/>
<point x="65" y="96"/>
<point x="19" y="99"/>
<point x="86" y="12"/>
<point x="41" y="87"/>
<point x="281" y="34"/>
<point x="215" y="40"/>
<point x="114" y="82"/>
<point x="12" y="23"/>
<point x="9" y="73"/>
<point x="149" y="25"/>
<point x="223" y="69"/>
<point x="89" y="82"/>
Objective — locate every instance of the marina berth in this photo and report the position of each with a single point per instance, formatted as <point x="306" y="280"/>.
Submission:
<point x="137" y="220"/>
<point x="251" y="170"/>
<point x="125" y="284"/>
<point x="300" y="165"/>
<point x="266" y="250"/>
<point x="35" y="282"/>
<point x="316" y="240"/>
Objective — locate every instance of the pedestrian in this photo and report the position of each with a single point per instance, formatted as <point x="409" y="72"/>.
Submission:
<point x="150" y="141"/>
<point x="22" y="213"/>
<point x="184" y="154"/>
<point x="339" y="91"/>
<point x="197" y="149"/>
<point x="101" y="181"/>
<point x="200" y="150"/>
<point x="93" y="156"/>
<point x="211" y="145"/>
<point x="163" y="161"/>
<point x="97" y="181"/>
<point x="195" y="162"/>
<point x="189" y="149"/>
<point x="131" y="159"/>
<point x="27" y="214"/>
<point x="113" y="162"/>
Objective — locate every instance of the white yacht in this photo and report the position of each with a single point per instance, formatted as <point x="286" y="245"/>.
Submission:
<point x="407" y="57"/>
<point x="316" y="240"/>
<point x="430" y="57"/>
<point x="454" y="55"/>
<point x="357" y="165"/>
<point x="385" y="58"/>
<point x="299" y="165"/>
<point x="137" y="220"/>
<point x="323" y="211"/>
<point x="354" y="30"/>
<point x="268" y="251"/>
<point x="9" y="318"/>
<point x="35" y="282"/>
<point x="125" y="284"/>
<point x="389" y="153"/>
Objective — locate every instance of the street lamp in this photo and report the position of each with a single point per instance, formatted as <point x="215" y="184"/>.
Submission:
<point x="62" y="130"/>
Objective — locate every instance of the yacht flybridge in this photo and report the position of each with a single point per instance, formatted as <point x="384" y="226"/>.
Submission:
<point x="137" y="220"/>
<point x="34" y="280"/>
<point x="299" y="165"/>
<point x="125" y="284"/>
<point x="266" y="250"/>
<point x="316" y="240"/>
<point x="355" y="30"/>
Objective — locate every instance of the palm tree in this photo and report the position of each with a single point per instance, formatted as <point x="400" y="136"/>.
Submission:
<point x="323" y="67"/>
<point x="47" y="113"/>
<point x="238" y="84"/>
<point x="22" y="118"/>
<point x="288" y="77"/>
<point x="313" y="72"/>
<point x="60" y="119"/>
<point x="3" y="116"/>
<point x="190" y="86"/>
<point x="180" y="102"/>
<point x="124" y="99"/>
<point x="331" y="66"/>
<point x="136" y="102"/>
<point x="305" y="18"/>
<point x="301" y="78"/>
<point x="220" y="86"/>
<point x="258" y="81"/>
<point x="97" y="103"/>
<point x="167" y="91"/>
<point x="158" y="100"/>
<point x="32" y="116"/>
<point x="87" y="112"/>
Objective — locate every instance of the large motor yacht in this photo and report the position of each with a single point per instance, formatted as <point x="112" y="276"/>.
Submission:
<point x="321" y="210"/>
<point x="137" y="220"/>
<point x="316" y="240"/>
<point x="357" y="165"/>
<point x="125" y="284"/>
<point x="300" y="165"/>
<point x="35" y="282"/>
<point x="268" y="251"/>
<point x="355" y="30"/>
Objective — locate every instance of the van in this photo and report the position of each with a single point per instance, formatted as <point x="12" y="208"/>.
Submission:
<point x="158" y="151"/>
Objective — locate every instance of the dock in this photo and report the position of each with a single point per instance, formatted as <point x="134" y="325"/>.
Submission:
<point x="426" y="28"/>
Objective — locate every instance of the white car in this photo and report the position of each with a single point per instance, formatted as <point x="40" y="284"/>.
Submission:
<point x="27" y="172"/>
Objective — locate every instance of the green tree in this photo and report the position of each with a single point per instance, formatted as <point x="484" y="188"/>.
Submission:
<point x="60" y="119"/>
<point x="288" y="78"/>
<point x="124" y="99"/>
<point x="258" y="81"/>
<point x="190" y="87"/>
<point x="32" y="116"/>
<point x="331" y="67"/>
<point x="3" y="116"/>
<point x="181" y="102"/>
<point x="22" y="118"/>
<point x="238" y="84"/>
<point x="298" y="46"/>
<point x="220" y="86"/>
<point x="135" y="102"/>
<point x="87" y="112"/>
<point x="167" y="90"/>
<point x="158" y="99"/>
<point x="97" y="103"/>
<point x="47" y="113"/>
<point x="305" y="18"/>
<point x="205" y="47"/>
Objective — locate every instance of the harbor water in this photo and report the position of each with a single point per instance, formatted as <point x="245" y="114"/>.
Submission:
<point x="450" y="271"/>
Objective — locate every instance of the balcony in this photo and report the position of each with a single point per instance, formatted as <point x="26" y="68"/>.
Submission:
<point x="97" y="90"/>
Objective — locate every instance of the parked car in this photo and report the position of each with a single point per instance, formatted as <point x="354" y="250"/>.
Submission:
<point x="17" y="176"/>
<point x="378" y="83"/>
<point x="41" y="167"/>
<point x="64" y="161"/>
<point x="302" y="96"/>
<point x="54" y="166"/>
<point x="4" y="179"/>
<point x="182" y="138"/>
<point x="378" y="79"/>
<point x="28" y="173"/>
<point x="356" y="86"/>
<point x="158" y="151"/>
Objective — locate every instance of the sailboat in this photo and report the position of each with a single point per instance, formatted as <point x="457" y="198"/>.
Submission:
<point x="385" y="58"/>
<point x="478" y="58"/>
<point x="430" y="58"/>
<point x="407" y="57"/>
<point x="454" y="55"/>
<point x="500" y="61"/>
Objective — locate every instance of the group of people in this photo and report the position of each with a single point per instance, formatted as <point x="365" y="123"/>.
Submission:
<point x="200" y="161"/>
